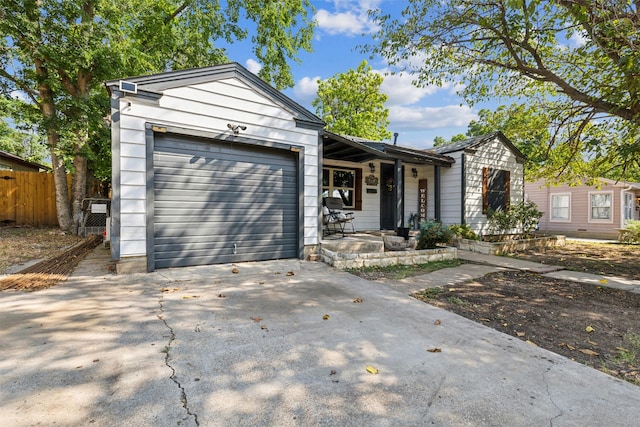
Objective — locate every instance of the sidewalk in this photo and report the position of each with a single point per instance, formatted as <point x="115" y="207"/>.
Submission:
<point x="554" y="271"/>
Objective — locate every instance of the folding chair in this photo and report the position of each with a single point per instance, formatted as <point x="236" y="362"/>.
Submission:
<point x="334" y="217"/>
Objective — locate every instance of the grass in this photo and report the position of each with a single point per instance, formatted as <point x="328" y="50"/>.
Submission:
<point x="397" y="272"/>
<point x="631" y="352"/>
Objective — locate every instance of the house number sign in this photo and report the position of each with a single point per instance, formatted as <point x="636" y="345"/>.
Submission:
<point x="422" y="199"/>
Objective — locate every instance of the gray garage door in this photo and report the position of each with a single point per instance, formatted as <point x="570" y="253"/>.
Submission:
<point x="219" y="202"/>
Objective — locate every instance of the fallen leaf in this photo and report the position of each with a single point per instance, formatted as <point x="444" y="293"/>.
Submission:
<point x="531" y="342"/>
<point x="256" y="319"/>
<point x="96" y="360"/>
<point x="325" y="317"/>
<point x="235" y="271"/>
<point x="263" y="326"/>
<point x="277" y="272"/>
<point x="372" y="370"/>
<point x="260" y="283"/>
<point x="570" y="347"/>
<point x="333" y="372"/>
<point x="289" y="273"/>
<point x="603" y="281"/>
<point x="592" y="343"/>
<point x="357" y="300"/>
<point x="485" y="319"/>
<point x="622" y="349"/>
<point x="437" y="322"/>
<point x="589" y="329"/>
<point x="222" y="296"/>
<point x="520" y="334"/>
<point x="588" y="352"/>
<point x="434" y="350"/>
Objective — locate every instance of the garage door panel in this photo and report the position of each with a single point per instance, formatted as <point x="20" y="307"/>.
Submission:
<point x="213" y="198"/>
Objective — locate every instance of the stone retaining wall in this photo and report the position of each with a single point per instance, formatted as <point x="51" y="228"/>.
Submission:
<point x="345" y="261"/>
<point x="499" y="248"/>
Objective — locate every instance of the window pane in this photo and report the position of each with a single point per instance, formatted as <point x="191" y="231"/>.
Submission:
<point x="601" y="200"/>
<point x="497" y="190"/>
<point x="343" y="178"/>
<point x="560" y="201"/>
<point x="600" y="213"/>
<point x="325" y="177"/>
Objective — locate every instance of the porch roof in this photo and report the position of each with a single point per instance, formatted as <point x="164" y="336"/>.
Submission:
<point x="355" y="149"/>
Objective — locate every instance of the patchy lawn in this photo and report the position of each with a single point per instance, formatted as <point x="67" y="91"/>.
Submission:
<point x="19" y="245"/>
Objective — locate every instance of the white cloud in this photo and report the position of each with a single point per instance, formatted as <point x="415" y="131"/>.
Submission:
<point x="349" y="18"/>
<point x="578" y="39"/>
<point x="306" y="89"/>
<point x="422" y="118"/>
<point x="401" y="90"/>
<point x="253" y="66"/>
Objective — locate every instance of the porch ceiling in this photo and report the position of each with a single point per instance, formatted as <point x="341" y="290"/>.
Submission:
<point x="350" y="151"/>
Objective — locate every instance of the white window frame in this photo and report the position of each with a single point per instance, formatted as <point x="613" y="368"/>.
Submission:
<point x="331" y="189"/>
<point x="556" y="219"/>
<point x="626" y="208"/>
<point x="611" y="208"/>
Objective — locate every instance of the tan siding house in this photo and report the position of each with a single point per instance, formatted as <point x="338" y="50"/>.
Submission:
<point x="585" y="211"/>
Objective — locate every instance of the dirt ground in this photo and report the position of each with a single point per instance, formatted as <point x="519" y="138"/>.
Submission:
<point x="21" y="244"/>
<point x="594" y="325"/>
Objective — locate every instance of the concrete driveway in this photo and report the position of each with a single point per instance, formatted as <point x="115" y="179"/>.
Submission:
<point x="278" y="343"/>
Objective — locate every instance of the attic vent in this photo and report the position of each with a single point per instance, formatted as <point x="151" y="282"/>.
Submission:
<point x="128" y="87"/>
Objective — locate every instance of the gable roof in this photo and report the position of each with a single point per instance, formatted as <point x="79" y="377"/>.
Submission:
<point x="153" y="86"/>
<point x="356" y="149"/>
<point x="474" y="142"/>
<point x="19" y="160"/>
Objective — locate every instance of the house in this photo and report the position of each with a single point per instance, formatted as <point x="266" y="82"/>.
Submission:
<point x="14" y="163"/>
<point x="213" y="165"/>
<point x="594" y="211"/>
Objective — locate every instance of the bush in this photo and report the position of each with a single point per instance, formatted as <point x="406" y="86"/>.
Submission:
<point x="463" y="231"/>
<point x="522" y="218"/>
<point x="633" y="232"/>
<point x="432" y="233"/>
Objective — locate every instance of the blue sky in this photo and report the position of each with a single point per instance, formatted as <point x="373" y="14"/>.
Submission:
<point x="417" y="114"/>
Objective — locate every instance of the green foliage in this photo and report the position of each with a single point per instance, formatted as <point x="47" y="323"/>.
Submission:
<point x="525" y="217"/>
<point x="351" y="103"/>
<point x="576" y="64"/>
<point x="521" y="218"/>
<point x="632" y="235"/>
<point x="23" y="139"/>
<point x="432" y="233"/>
<point x="463" y="231"/>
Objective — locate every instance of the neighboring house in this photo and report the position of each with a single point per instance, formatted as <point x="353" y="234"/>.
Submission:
<point x="488" y="174"/>
<point x="585" y="211"/>
<point x="213" y="165"/>
<point x="14" y="163"/>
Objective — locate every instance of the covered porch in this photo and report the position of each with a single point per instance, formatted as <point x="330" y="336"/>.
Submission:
<point x="384" y="185"/>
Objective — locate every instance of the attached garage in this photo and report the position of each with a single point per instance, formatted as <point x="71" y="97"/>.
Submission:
<point x="211" y="166"/>
<point x="221" y="202"/>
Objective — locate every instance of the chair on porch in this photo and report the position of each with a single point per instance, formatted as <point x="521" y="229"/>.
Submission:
<point x="334" y="218"/>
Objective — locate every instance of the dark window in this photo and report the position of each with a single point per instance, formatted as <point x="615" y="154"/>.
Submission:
<point x="495" y="189"/>
<point x="344" y="183"/>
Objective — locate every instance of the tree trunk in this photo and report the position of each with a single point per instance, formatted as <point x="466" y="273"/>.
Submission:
<point x="79" y="188"/>
<point x="62" y="193"/>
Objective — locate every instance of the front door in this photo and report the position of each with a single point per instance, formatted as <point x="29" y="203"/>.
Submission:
<point x="387" y="197"/>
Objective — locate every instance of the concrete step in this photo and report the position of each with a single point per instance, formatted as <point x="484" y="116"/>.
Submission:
<point x="353" y="245"/>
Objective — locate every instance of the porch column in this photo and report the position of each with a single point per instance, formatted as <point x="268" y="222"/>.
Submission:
<point x="398" y="178"/>
<point x="436" y="192"/>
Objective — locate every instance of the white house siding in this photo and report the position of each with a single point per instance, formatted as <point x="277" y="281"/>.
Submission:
<point x="495" y="155"/>
<point x="579" y="224"/>
<point x="369" y="217"/>
<point x="207" y="107"/>
<point x="451" y="191"/>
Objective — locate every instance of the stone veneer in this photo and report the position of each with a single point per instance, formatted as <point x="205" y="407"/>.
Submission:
<point x="499" y="248"/>
<point x="345" y="261"/>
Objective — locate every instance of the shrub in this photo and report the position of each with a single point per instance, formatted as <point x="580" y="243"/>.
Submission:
<point x="633" y="233"/>
<point x="500" y="222"/>
<point x="432" y="233"/>
<point x="525" y="217"/>
<point x="463" y="231"/>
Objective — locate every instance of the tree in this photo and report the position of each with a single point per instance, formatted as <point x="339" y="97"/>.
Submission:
<point x="576" y="60"/>
<point x="351" y="103"/>
<point x="58" y="52"/>
<point x="22" y="140"/>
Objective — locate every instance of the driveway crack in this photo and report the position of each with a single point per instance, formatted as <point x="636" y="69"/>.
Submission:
<point x="546" y="384"/>
<point x="167" y="362"/>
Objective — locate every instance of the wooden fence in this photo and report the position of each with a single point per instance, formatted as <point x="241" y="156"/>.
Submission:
<point x="27" y="198"/>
